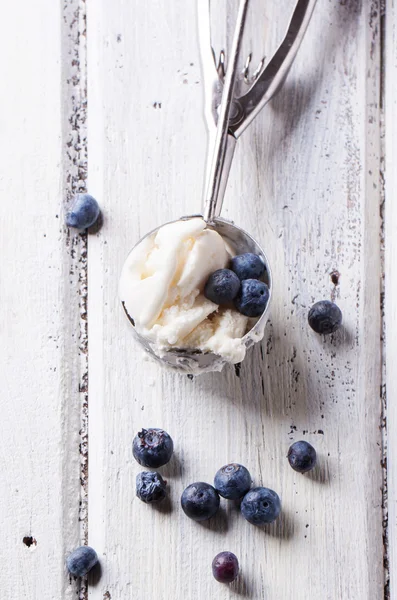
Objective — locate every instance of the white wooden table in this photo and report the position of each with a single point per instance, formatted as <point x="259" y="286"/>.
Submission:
<point x="107" y="96"/>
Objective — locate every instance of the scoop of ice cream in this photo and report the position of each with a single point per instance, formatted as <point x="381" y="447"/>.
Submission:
<point x="162" y="285"/>
<point x="221" y="333"/>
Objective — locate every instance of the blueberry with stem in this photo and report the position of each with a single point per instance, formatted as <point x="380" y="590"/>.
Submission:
<point x="152" y="448"/>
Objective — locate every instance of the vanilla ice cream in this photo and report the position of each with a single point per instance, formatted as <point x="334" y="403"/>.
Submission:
<point x="162" y="284"/>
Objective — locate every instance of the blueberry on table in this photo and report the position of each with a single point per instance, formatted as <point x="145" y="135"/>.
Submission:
<point x="232" y="481"/>
<point x="81" y="560"/>
<point x="152" y="447"/>
<point x="222" y="286"/>
<point x="252" y="298"/>
<point x="260" y="506"/>
<point x="85" y="211"/>
<point x="200" y="501"/>
<point x="325" y="317"/>
<point x="150" y="487"/>
<point x="225" y="567"/>
<point x="248" y="266"/>
<point x="302" y="457"/>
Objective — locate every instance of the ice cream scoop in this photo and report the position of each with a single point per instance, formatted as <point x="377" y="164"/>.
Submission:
<point x="162" y="281"/>
<point x="161" y="289"/>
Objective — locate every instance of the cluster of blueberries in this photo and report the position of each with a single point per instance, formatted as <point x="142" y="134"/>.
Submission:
<point x="153" y="448"/>
<point x="200" y="501"/>
<point x="240" y="285"/>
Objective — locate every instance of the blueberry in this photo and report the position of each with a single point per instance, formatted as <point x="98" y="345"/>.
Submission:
<point x="232" y="481"/>
<point x="260" y="506"/>
<point x="152" y="448"/>
<point x="225" y="567"/>
<point x="222" y="286"/>
<point x="325" y="317"/>
<point x="150" y="487"/>
<point x="200" y="501"/>
<point x="81" y="560"/>
<point x="252" y="298"/>
<point x="248" y="266"/>
<point x="84" y="213"/>
<point x="302" y="457"/>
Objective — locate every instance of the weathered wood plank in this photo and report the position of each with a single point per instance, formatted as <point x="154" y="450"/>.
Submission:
<point x="42" y="294"/>
<point x="305" y="183"/>
<point x="390" y="75"/>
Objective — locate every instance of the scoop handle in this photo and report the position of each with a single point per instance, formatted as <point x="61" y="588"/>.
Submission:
<point x="217" y="184"/>
<point x="225" y="142"/>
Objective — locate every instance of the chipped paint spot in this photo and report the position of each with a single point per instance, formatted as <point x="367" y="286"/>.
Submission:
<point x="29" y="541"/>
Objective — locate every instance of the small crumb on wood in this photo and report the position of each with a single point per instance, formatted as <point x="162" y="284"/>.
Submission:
<point x="335" y="277"/>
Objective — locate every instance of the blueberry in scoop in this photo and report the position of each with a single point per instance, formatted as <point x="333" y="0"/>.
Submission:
<point x="248" y="266"/>
<point x="252" y="298"/>
<point x="222" y="286"/>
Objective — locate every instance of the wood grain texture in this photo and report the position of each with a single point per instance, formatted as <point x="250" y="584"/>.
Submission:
<point x="306" y="184"/>
<point x="391" y="283"/>
<point x="41" y="283"/>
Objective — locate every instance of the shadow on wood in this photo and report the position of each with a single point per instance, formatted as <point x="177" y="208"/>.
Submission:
<point x="218" y="523"/>
<point x="165" y="506"/>
<point x="283" y="527"/>
<point x="321" y="472"/>
<point x="94" y="575"/>
<point x="174" y="468"/>
<point x="242" y="586"/>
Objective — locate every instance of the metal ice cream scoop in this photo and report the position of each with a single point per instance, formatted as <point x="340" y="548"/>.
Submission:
<point x="228" y="114"/>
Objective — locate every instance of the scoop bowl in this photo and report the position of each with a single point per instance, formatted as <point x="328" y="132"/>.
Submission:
<point x="196" y="362"/>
